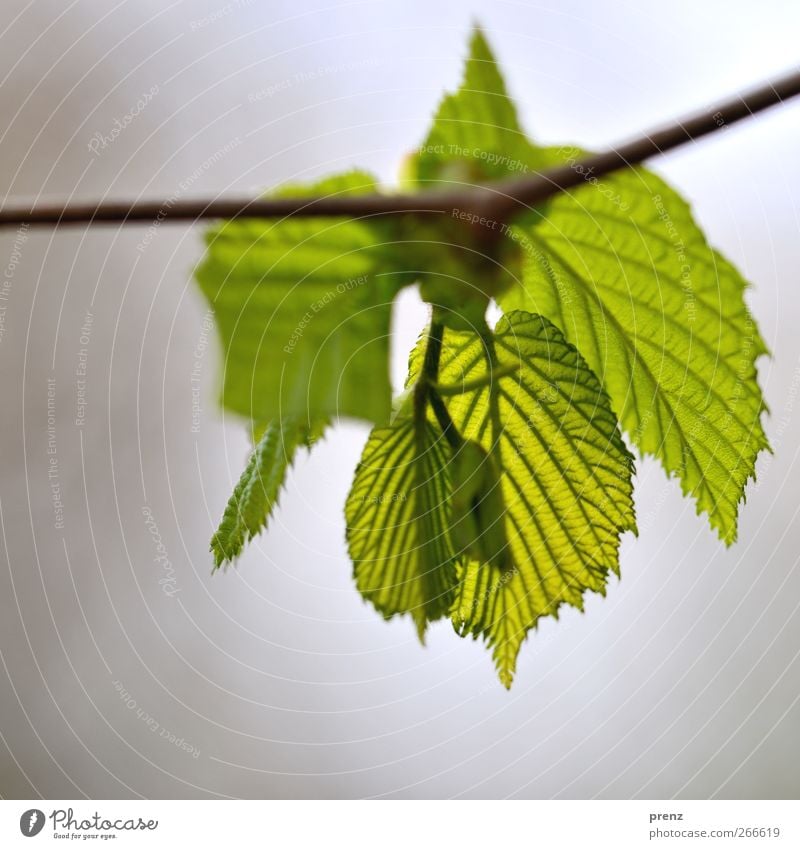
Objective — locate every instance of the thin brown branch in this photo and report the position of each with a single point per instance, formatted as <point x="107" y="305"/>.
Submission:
<point x="530" y="191"/>
<point x="494" y="201"/>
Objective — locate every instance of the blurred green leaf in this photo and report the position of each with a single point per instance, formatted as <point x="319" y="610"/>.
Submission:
<point x="303" y="309"/>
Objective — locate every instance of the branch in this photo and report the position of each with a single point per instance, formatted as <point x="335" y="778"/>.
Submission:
<point x="495" y="201"/>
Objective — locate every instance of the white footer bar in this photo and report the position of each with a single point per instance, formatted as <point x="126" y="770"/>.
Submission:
<point x="403" y="824"/>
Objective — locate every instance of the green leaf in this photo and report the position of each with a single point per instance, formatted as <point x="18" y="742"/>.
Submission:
<point x="476" y="134"/>
<point x="565" y="476"/>
<point x="303" y="309"/>
<point x="622" y="268"/>
<point x="256" y="493"/>
<point x="397" y="522"/>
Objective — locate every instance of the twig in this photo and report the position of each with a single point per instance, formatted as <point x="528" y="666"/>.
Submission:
<point x="494" y="201"/>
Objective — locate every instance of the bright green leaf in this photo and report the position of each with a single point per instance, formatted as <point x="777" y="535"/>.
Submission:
<point x="398" y="525"/>
<point x="303" y="309"/>
<point x="622" y="268"/>
<point x="565" y="476"/>
<point x="256" y="493"/>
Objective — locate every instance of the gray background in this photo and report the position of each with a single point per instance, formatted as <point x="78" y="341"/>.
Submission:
<point x="683" y="681"/>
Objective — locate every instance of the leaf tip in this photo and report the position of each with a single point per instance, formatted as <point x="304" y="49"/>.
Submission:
<point x="421" y="624"/>
<point x="223" y="557"/>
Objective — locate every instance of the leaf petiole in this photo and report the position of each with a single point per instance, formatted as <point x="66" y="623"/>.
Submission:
<point x="425" y="391"/>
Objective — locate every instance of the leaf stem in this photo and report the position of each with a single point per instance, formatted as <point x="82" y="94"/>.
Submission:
<point x="494" y="372"/>
<point x="425" y="391"/>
